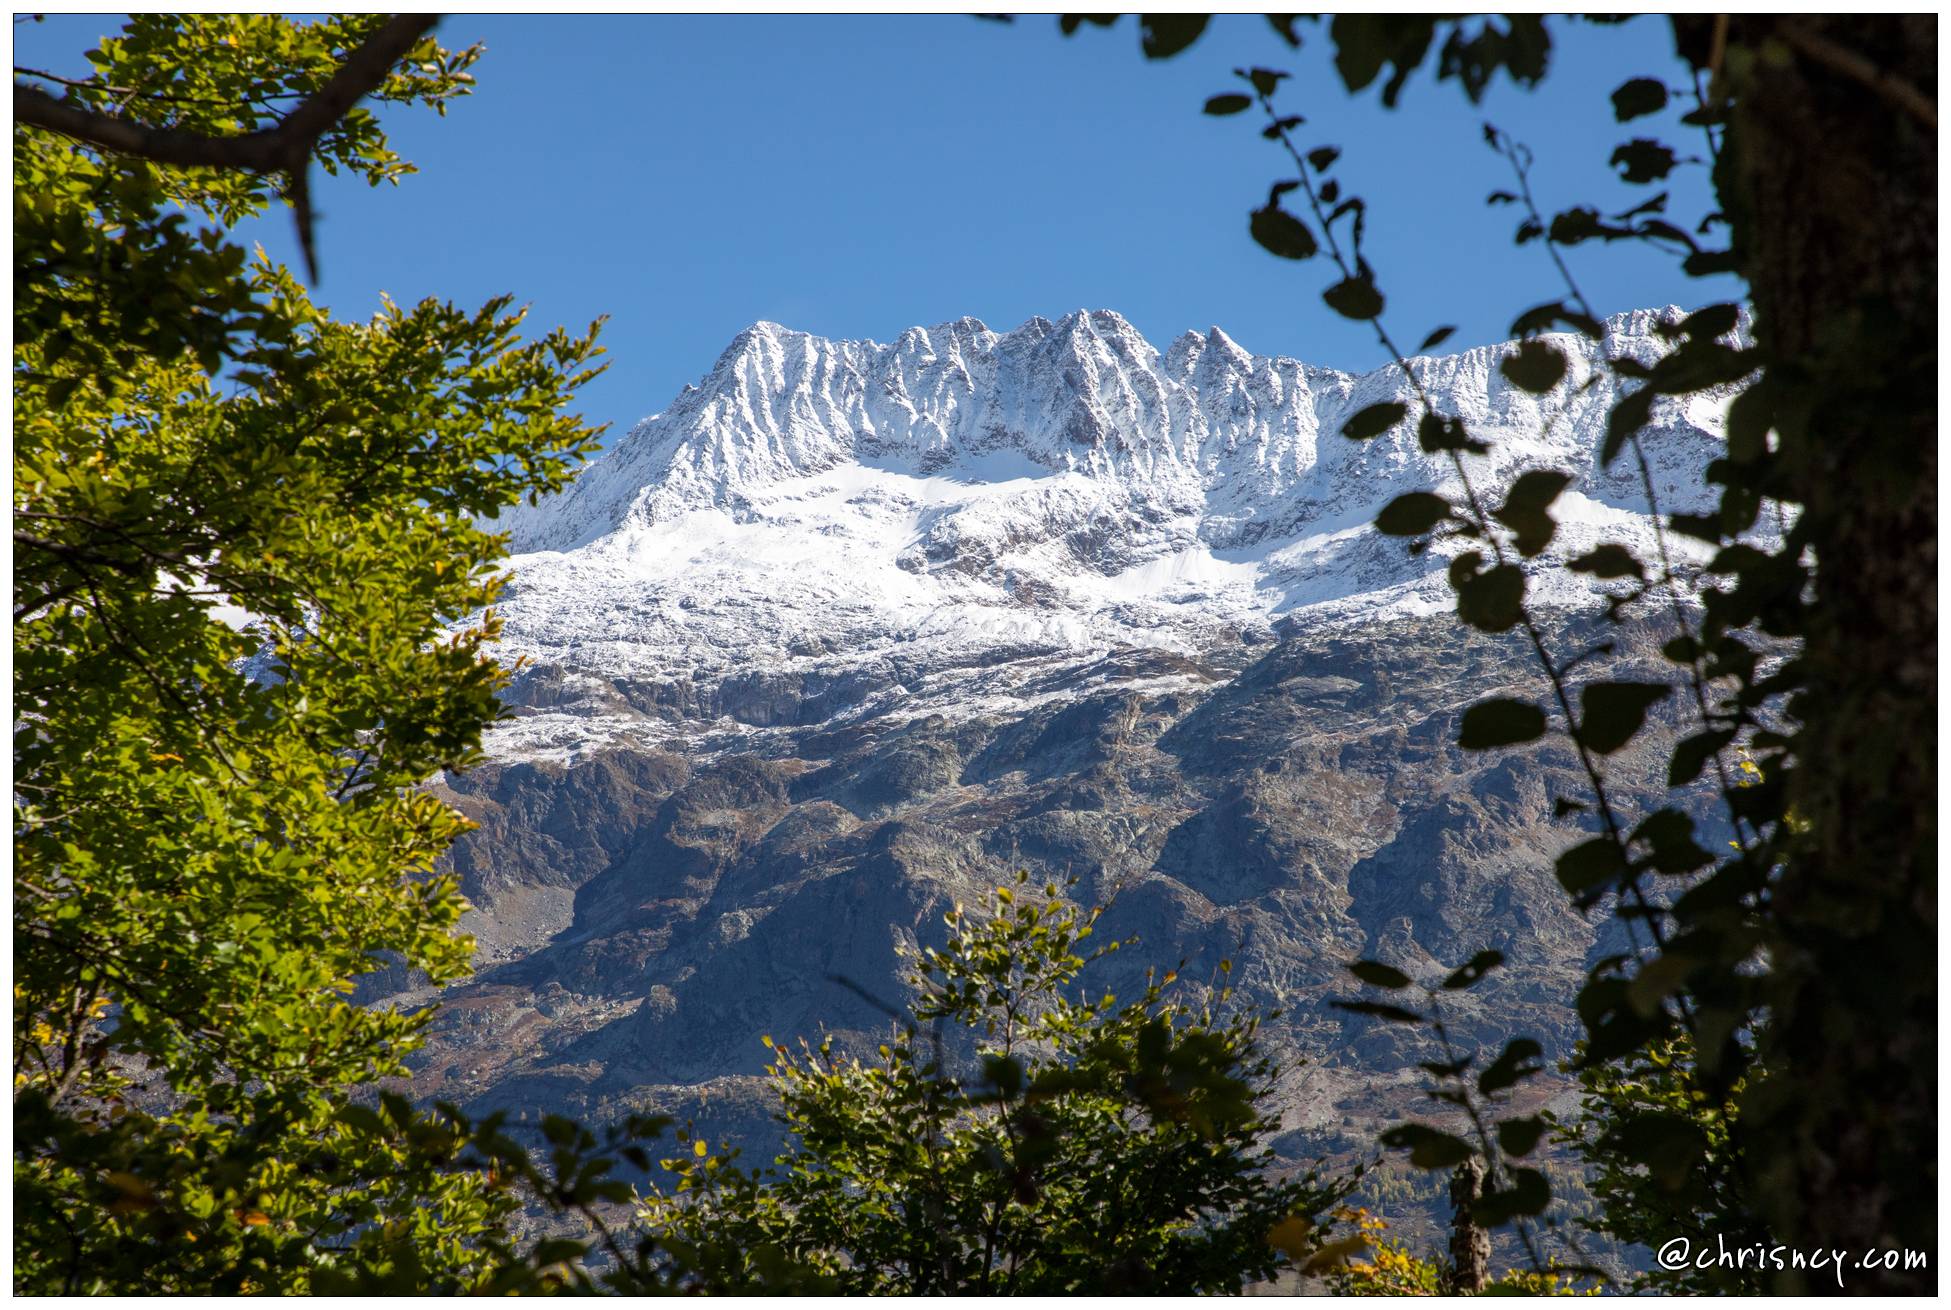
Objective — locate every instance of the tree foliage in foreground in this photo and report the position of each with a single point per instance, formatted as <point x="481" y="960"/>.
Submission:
<point x="1795" y="971"/>
<point x="204" y="858"/>
<point x="217" y="823"/>
<point x="1019" y="1136"/>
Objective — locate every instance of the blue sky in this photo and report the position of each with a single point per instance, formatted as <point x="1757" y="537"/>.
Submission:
<point x="852" y="176"/>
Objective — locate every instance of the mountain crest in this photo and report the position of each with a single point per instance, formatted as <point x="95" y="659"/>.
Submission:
<point x="881" y="516"/>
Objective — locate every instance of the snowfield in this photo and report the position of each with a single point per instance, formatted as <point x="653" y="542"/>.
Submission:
<point x="926" y="526"/>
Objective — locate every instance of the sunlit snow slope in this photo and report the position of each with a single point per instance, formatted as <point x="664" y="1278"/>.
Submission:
<point x="843" y="528"/>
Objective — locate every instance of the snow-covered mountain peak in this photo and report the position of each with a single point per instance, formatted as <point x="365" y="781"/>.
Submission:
<point x="960" y="497"/>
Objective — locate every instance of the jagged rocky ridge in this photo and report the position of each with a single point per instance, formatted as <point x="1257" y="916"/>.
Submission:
<point x="852" y="630"/>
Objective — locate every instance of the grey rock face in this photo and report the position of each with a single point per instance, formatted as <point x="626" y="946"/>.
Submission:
<point x="651" y="919"/>
<point x="853" y="632"/>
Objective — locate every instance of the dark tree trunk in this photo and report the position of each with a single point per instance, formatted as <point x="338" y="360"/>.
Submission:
<point x="1830" y="180"/>
<point x="1469" y="1243"/>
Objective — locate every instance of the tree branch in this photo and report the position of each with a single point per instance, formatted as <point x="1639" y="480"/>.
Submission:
<point x="1854" y="66"/>
<point x="286" y="148"/>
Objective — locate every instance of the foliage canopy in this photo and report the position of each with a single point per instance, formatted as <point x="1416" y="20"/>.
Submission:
<point x="1018" y="1136"/>
<point x="246" y="554"/>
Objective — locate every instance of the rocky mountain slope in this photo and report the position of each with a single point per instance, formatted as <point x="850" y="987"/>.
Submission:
<point x="851" y="631"/>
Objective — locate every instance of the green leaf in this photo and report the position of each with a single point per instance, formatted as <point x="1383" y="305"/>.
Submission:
<point x="1280" y="233"/>
<point x="1412" y="514"/>
<point x="1374" y="420"/>
<point x="1637" y="98"/>
<point x="1232" y="102"/>
<point x="1354" y="297"/>
<point x="1500" y="721"/>
<point x="1428" y="1147"/>
<point x="1534" y="366"/>
<point x="1473" y="970"/>
<point x="1612" y="713"/>
<point x="1376" y="974"/>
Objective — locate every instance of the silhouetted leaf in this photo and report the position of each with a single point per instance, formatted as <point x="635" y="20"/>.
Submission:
<point x="1692" y="754"/>
<point x="1669" y="837"/>
<point x="1607" y="560"/>
<point x="1589" y="867"/>
<point x="1473" y="970"/>
<point x="1667" y="1143"/>
<point x="1265" y="80"/>
<point x="1528" y="1194"/>
<point x="1702" y="527"/>
<point x="1534" y="366"/>
<point x="1500" y="721"/>
<point x="1637" y="98"/>
<point x="1436" y="338"/>
<point x="1412" y="514"/>
<point x="1322" y="156"/>
<point x="1164" y="35"/>
<point x="1626" y="418"/>
<point x="1230" y="103"/>
<point x="1711" y="322"/>
<point x="1519" y="1137"/>
<point x="1376" y="974"/>
<point x="1643" y="160"/>
<point x="1365" y="42"/>
<point x="1379" y="1010"/>
<point x="1355" y="298"/>
<point x="1541" y="318"/>
<point x="1428" y="1148"/>
<point x="1613" y="712"/>
<point x="1708" y="263"/>
<point x="1521" y="1059"/>
<point x="1436" y="434"/>
<point x="1525" y="509"/>
<point x="1280" y="233"/>
<point x="1374" y="420"/>
<point x="1491" y="601"/>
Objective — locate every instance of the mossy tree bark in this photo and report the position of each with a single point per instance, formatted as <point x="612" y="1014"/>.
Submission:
<point x="1830" y="181"/>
